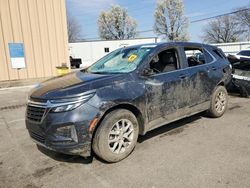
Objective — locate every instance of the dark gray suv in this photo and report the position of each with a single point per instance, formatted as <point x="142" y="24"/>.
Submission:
<point x="129" y="92"/>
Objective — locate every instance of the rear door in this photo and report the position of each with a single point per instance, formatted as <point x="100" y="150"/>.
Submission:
<point x="201" y="66"/>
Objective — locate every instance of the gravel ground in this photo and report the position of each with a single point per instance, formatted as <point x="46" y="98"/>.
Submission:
<point x="194" y="152"/>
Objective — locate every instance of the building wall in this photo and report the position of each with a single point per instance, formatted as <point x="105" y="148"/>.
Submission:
<point x="233" y="48"/>
<point x="91" y="51"/>
<point x="42" y="28"/>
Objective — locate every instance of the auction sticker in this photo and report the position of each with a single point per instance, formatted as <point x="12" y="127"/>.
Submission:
<point x="132" y="58"/>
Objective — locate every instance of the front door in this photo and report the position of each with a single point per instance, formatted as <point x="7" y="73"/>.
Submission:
<point x="167" y="89"/>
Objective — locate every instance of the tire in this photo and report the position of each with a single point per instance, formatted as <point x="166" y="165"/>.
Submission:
<point x="112" y="143"/>
<point x="243" y="92"/>
<point x="242" y="87"/>
<point x="77" y="66"/>
<point x="219" y="102"/>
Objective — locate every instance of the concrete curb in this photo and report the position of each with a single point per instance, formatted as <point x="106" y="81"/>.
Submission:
<point x="14" y="84"/>
<point x="17" y="87"/>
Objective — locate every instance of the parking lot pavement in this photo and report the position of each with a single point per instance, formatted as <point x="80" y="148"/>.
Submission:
<point x="194" y="152"/>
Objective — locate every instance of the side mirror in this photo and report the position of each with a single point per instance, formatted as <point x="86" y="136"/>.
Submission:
<point x="148" y="72"/>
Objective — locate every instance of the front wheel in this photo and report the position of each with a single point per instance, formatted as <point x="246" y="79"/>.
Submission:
<point x="219" y="102"/>
<point x="117" y="135"/>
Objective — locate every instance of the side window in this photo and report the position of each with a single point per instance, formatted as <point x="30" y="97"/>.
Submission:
<point x="195" y="56"/>
<point x="165" y="61"/>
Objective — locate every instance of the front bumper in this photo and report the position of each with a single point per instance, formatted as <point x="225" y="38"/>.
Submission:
<point x="44" y="132"/>
<point x="84" y="150"/>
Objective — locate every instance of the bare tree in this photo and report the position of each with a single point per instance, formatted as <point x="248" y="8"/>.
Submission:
<point x="222" y="30"/>
<point x="116" y="24"/>
<point x="74" y="29"/>
<point x="170" y="20"/>
<point x="243" y="17"/>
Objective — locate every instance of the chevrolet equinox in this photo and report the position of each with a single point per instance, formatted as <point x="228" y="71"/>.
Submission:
<point x="130" y="91"/>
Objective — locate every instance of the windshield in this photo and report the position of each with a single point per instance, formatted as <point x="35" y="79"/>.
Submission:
<point x="123" y="60"/>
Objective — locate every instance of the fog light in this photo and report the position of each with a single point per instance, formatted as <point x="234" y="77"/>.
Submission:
<point x="73" y="134"/>
<point x="66" y="133"/>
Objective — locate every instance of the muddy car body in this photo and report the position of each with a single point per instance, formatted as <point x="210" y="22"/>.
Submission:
<point x="104" y="109"/>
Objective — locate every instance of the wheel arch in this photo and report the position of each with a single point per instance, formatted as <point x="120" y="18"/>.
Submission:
<point x="221" y="83"/>
<point x="129" y="107"/>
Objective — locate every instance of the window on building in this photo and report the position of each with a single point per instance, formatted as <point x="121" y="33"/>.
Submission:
<point x="106" y="50"/>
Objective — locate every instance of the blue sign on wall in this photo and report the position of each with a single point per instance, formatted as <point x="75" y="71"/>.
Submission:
<point x="16" y="50"/>
<point x="17" y="55"/>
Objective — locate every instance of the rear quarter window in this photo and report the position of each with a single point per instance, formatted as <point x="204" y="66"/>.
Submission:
<point x="219" y="53"/>
<point x="209" y="58"/>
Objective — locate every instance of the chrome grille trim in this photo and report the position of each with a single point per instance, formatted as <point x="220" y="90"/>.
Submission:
<point x="35" y="114"/>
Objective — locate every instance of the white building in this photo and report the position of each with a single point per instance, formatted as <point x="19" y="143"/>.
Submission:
<point x="233" y="48"/>
<point x="91" y="51"/>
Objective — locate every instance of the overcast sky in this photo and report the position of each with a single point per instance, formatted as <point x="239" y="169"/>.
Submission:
<point x="87" y="12"/>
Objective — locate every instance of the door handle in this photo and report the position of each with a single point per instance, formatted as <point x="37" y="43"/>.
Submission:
<point x="183" y="76"/>
<point x="214" y="68"/>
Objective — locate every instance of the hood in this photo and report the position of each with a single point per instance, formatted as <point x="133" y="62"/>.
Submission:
<point x="73" y="84"/>
<point x="237" y="58"/>
<point x="243" y="57"/>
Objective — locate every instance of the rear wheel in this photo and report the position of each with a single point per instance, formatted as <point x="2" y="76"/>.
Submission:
<point x="219" y="102"/>
<point x="117" y="135"/>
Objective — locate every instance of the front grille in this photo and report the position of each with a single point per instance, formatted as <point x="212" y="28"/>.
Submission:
<point x="35" y="113"/>
<point x="38" y="137"/>
<point x="38" y="100"/>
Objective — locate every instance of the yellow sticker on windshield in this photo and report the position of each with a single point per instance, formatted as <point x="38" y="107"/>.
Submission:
<point x="132" y="58"/>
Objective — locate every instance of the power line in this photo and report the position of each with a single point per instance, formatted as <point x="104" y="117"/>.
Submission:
<point x="135" y="8"/>
<point x="200" y="20"/>
<point x="128" y="6"/>
<point x="204" y="19"/>
<point x="91" y="23"/>
<point x="209" y="18"/>
<point x="145" y="31"/>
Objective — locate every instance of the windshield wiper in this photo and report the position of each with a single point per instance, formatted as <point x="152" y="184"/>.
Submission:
<point x="84" y="70"/>
<point x="97" y="72"/>
<point x="106" y="72"/>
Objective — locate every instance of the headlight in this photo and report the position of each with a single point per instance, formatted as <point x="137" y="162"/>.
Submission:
<point x="63" y="105"/>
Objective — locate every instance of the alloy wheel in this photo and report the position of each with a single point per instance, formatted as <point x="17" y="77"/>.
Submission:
<point x="121" y="136"/>
<point x="220" y="102"/>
